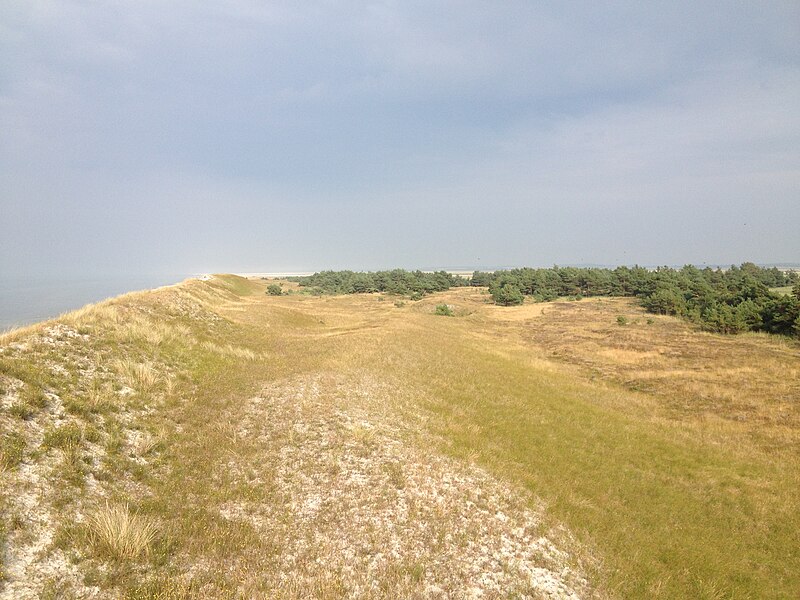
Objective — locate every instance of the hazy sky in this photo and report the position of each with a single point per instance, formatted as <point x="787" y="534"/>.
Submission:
<point x="182" y="137"/>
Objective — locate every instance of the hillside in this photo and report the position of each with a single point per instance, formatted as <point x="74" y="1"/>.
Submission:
<point x="362" y="446"/>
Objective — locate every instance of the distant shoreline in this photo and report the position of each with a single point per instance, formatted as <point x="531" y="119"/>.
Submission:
<point x="28" y="300"/>
<point x="308" y="273"/>
<point x="276" y="275"/>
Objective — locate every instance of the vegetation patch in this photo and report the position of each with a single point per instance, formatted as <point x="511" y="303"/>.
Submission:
<point x="116" y="533"/>
<point x="734" y="300"/>
<point x="444" y="310"/>
<point x="140" y="376"/>
<point x="63" y="437"/>
<point x="344" y="446"/>
<point x="12" y="450"/>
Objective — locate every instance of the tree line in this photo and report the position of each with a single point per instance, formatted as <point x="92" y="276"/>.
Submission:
<point x="729" y="300"/>
<point x="415" y="284"/>
<point x="724" y="300"/>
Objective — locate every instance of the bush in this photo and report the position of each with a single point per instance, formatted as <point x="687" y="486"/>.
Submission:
<point x="622" y="320"/>
<point x="273" y="289"/>
<point x="507" y="295"/>
<point x="444" y="310"/>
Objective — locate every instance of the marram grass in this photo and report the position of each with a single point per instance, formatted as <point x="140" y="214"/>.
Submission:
<point x="119" y="534"/>
<point x="669" y="455"/>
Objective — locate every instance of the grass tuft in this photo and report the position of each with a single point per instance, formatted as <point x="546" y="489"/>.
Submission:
<point x="117" y="533"/>
<point x="21" y="410"/>
<point x="142" y="377"/>
<point x="12" y="450"/>
<point x="231" y="351"/>
<point x="64" y="437"/>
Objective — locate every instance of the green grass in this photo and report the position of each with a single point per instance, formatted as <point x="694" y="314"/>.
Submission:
<point x="63" y="437"/>
<point x="12" y="450"/>
<point x="785" y="291"/>
<point x="658" y="509"/>
<point x="443" y="310"/>
<point x="668" y="517"/>
<point x="22" y="410"/>
<point x="238" y="285"/>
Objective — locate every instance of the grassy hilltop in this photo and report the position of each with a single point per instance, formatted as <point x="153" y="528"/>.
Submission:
<point x="213" y="440"/>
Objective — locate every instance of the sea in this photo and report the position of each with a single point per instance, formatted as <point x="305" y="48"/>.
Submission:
<point x="30" y="299"/>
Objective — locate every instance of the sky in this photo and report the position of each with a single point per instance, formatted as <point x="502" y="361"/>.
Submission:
<point x="188" y="137"/>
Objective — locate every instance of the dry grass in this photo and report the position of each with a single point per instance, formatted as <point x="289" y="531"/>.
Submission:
<point x="231" y="351"/>
<point x="98" y="397"/>
<point x="146" y="443"/>
<point x="117" y="533"/>
<point x="344" y="447"/>
<point x="745" y="388"/>
<point x="153" y="333"/>
<point x="358" y="508"/>
<point x="140" y="376"/>
<point x="106" y="313"/>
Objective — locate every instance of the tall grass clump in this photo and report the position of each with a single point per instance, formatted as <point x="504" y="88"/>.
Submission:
<point x="154" y="333"/>
<point x="119" y="534"/>
<point x="142" y="377"/>
<point x="65" y="437"/>
<point x="231" y="351"/>
<point x="97" y="399"/>
<point x="12" y="450"/>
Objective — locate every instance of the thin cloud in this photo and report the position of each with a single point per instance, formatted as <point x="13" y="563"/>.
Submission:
<point x="391" y="133"/>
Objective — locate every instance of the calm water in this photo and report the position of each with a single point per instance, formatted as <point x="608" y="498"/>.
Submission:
<point x="28" y="300"/>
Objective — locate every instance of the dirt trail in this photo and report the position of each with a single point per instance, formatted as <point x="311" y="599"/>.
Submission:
<point x="362" y="507"/>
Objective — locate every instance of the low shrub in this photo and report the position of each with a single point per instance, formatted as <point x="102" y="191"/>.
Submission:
<point x="444" y="310"/>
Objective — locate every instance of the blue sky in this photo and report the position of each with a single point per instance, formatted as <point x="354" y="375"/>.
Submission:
<point x="181" y="137"/>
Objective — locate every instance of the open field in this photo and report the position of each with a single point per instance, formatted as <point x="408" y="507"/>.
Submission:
<point x="208" y="440"/>
<point x="786" y="290"/>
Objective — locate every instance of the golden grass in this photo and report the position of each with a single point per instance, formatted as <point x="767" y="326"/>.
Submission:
<point x="748" y="384"/>
<point x="117" y="533"/>
<point x="231" y="351"/>
<point x="97" y="399"/>
<point x="140" y="376"/>
<point x="668" y="457"/>
<point x="633" y="434"/>
<point x="105" y="313"/>
<point x="146" y="443"/>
